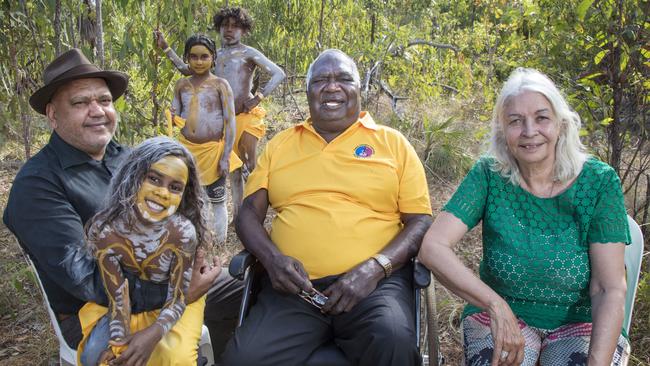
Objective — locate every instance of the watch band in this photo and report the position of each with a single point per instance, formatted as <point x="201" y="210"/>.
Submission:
<point x="384" y="262"/>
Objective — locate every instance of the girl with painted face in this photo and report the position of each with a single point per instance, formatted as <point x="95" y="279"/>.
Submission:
<point x="152" y="224"/>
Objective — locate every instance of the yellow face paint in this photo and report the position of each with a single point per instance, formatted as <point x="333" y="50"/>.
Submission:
<point x="200" y="59"/>
<point x="162" y="189"/>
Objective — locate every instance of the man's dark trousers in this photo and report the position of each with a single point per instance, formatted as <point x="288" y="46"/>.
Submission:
<point x="286" y="330"/>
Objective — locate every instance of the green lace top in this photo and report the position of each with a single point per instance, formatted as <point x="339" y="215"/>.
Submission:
<point x="535" y="250"/>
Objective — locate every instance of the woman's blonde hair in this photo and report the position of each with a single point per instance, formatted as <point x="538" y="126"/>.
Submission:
<point x="569" y="151"/>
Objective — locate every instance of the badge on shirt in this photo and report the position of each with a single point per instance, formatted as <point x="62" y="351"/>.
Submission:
<point x="363" y="151"/>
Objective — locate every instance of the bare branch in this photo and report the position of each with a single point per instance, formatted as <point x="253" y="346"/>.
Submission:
<point x="438" y="177"/>
<point x="366" y="82"/>
<point x="394" y="98"/>
<point x="294" y="91"/>
<point x="416" y="42"/>
<point x="447" y="87"/>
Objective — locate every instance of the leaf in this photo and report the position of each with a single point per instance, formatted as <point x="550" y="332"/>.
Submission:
<point x="591" y="76"/>
<point x="645" y="52"/>
<point x="607" y="121"/>
<point x="599" y="56"/>
<point x="120" y="104"/>
<point x="624" y="60"/>
<point x="581" y="11"/>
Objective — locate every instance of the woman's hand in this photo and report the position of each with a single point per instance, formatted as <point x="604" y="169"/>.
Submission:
<point x="506" y="333"/>
<point x="437" y="254"/>
<point x="140" y="345"/>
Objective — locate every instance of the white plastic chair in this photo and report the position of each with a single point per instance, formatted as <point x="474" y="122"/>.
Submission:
<point x="633" y="256"/>
<point x="205" y="346"/>
<point x="68" y="356"/>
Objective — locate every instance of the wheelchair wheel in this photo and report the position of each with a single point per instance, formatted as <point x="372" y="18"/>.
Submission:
<point x="429" y="340"/>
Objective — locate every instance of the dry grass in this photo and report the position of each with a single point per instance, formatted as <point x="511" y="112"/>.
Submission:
<point x="26" y="337"/>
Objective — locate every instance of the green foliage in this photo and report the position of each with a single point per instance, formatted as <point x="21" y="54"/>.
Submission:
<point x="444" y="154"/>
<point x="573" y="41"/>
<point x="417" y="49"/>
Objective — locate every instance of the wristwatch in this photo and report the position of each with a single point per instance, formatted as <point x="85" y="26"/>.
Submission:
<point x="384" y="262"/>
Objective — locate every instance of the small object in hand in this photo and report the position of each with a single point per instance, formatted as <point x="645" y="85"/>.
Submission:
<point x="315" y="298"/>
<point x="245" y="172"/>
<point x="504" y="354"/>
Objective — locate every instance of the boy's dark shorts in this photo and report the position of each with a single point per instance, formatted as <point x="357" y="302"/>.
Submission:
<point x="217" y="191"/>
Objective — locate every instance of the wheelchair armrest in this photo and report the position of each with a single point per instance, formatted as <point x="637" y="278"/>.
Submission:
<point x="239" y="263"/>
<point x="421" y="275"/>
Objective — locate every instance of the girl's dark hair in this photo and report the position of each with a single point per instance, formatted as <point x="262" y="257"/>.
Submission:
<point x="120" y="202"/>
<point x="202" y="40"/>
<point x="240" y="15"/>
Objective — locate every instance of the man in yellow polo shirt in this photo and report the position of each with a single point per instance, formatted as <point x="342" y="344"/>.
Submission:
<point x="352" y="207"/>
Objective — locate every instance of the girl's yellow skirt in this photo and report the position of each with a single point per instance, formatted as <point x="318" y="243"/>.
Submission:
<point x="178" y="347"/>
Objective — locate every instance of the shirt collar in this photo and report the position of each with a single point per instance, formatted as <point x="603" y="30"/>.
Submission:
<point x="70" y="156"/>
<point x="365" y="120"/>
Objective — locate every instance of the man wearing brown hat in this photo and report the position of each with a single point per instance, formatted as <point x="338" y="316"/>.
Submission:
<point x="61" y="187"/>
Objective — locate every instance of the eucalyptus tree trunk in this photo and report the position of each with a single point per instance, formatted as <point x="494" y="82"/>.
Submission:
<point x="21" y="82"/>
<point x="320" y="25"/>
<point x="373" y="26"/>
<point x="155" y="83"/>
<point x="57" y="27"/>
<point x="21" y="100"/>
<point x="71" y="27"/>
<point x="100" y="33"/>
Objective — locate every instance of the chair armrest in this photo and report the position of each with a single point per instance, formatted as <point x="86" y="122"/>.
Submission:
<point x="421" y="275"/>
<point x="239" y="263"/>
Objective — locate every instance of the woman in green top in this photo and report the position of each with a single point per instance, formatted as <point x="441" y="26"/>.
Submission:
<point x="551" y="285"/>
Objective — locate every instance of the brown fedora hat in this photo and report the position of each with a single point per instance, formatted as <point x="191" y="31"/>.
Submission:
<point x="73" y="65"/>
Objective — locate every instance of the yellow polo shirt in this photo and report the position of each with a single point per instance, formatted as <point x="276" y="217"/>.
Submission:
<point x="338" y="204"/>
